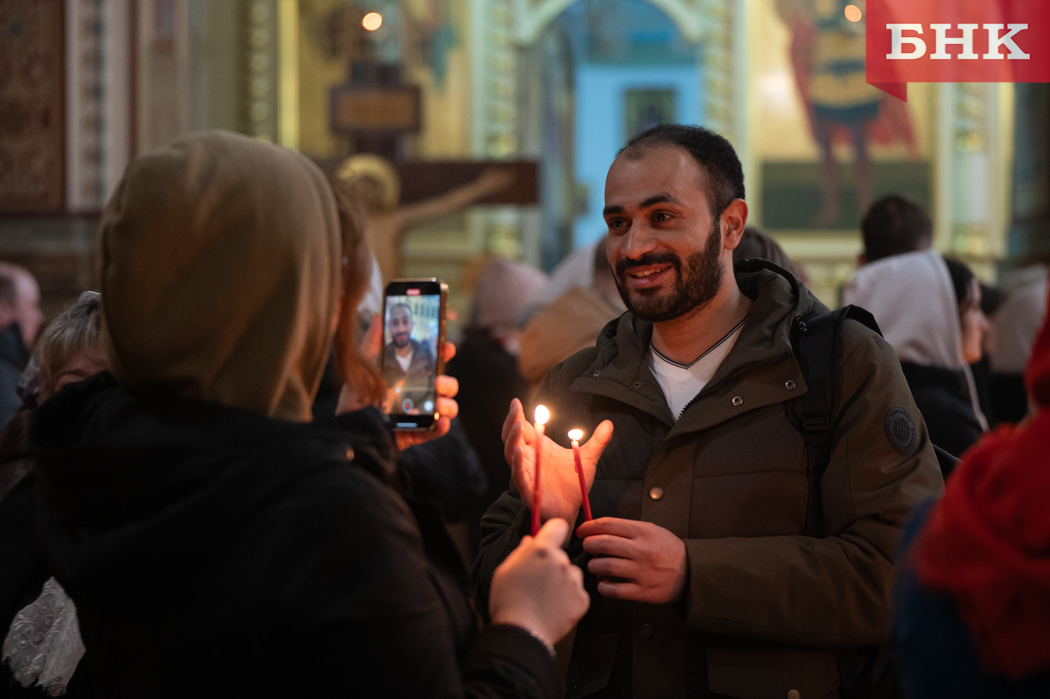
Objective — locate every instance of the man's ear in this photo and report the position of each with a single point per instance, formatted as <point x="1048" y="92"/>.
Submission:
<point x="734" y="220"/>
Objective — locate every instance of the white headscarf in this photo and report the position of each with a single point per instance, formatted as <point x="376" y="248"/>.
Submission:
<point x="372" y="302"/>
<point x="913" y="301"/>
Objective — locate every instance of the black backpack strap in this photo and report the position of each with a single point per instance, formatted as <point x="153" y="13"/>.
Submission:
<point x="816" y="341"/>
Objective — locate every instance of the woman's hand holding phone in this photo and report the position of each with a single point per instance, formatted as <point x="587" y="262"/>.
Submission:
<point x="446" y="388"/>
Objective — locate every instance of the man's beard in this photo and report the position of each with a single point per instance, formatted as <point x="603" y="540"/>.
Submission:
<point x="698" y="281"/>
<point x="401" y="340"/>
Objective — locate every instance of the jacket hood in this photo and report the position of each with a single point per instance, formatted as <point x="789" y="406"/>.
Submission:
<point x="777" y="295"/>
<point x="620" y="371"/>
<point x="142" y="491"/>
<point x="220" y="274"/>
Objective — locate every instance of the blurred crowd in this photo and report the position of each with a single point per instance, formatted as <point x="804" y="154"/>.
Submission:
<point x="108" y="540"/>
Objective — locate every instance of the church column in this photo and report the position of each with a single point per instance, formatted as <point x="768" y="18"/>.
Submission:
<point x="972" y="173"/>
<point x="726" y="81"/>
<point x="1030" y="207"/>
<point x="494" y="128"/>
<point x="162" y="72"/>
<point x="98" y="100"/>
<point x="260" y="69"/>
<point x="724" y="68"/>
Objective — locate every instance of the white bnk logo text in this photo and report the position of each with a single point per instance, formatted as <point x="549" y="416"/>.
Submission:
<point x="995" y="41"/>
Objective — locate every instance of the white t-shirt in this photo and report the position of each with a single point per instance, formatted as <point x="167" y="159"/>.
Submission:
<point x="405" y="361"/>
<point x="682" y="383"/>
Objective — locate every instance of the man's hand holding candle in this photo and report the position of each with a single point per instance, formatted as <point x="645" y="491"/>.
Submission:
<point x="560" y="495"/>
<point x="638" y="561"/>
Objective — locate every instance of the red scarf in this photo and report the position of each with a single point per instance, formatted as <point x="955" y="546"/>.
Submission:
<point x="987" y="543"/>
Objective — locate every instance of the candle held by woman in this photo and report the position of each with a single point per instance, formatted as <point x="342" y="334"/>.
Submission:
<point x="542" y="415"/>
<point x="575" y="436"/>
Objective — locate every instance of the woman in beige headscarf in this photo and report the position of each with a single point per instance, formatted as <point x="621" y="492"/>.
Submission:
<point x="213" y="539"/>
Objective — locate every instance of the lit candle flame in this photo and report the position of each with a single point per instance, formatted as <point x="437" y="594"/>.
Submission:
<point x="542" y="415"/>
<point x="372" y="21"/>
<point x="575" y="435"/>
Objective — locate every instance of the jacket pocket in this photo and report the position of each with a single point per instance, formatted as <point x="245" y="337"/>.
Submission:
<point x="756" y="671"/>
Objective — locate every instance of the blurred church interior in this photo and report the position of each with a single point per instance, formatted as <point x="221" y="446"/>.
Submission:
<point x="443" y="89"/>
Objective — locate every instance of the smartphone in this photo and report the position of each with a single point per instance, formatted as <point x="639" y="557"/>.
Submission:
<point x="413" y="335"/>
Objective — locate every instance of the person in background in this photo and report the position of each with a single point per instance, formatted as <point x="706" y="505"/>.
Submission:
<point x="216" y="538"/>
<point x="894" y="225"/>
<point x="70" y="351"/>
<point x="20" y="321"/>
<point x="929" y="310"/>
<point x="991" y="301"/>
<point x="486" y="367"/>
<point x="971" y="611"/>
<point x="585" y="268"/>
<point x="756" y="244"/>
<point x="446" y="469"/>
<point x="1014" y="329"/>
<point x="572" y="320"/>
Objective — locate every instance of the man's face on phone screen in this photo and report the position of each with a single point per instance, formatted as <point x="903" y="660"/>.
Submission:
<point x="400" y="326"/>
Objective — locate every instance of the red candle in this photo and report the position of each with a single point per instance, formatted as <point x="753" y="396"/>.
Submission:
<point x="542" y="415"/>
<point x="575" y="435"/>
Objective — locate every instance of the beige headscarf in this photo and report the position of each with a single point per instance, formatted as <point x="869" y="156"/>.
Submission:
<point x="221" y="274"/>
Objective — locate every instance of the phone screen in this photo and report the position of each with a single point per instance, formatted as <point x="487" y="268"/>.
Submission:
<point x="413" y="332"/>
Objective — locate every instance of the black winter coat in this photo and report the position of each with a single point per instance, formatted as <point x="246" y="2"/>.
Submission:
<point x="214" y="550"/>
<point x="488" y="381"/>
<point x="13" y="358"/>
<point x="943" y="397"/>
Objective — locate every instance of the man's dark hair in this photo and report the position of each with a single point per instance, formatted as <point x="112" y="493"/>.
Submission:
<point x="714" y="154"/>
<point x="8" y="292"/>
<point x="895" y="225"/>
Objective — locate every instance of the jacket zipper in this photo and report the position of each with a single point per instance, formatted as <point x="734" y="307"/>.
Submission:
<point x="752" y="365"/>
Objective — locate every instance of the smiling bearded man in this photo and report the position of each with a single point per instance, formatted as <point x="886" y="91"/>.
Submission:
<point x="723" y="561"/>
<point x="692" y="291"/>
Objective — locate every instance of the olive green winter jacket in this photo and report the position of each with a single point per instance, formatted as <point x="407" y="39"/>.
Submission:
<point x="767" y="609"/>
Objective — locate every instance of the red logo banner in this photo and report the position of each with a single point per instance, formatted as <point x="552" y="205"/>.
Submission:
<point x="948" y="41"/>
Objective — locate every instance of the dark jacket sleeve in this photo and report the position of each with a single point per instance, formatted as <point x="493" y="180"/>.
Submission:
<point x="447" y="469"/>
<point x="832" y="591"/>
<point x="364" y="616"/>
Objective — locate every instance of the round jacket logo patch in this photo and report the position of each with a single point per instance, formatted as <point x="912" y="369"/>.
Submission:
<point x="900" y="429"/>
